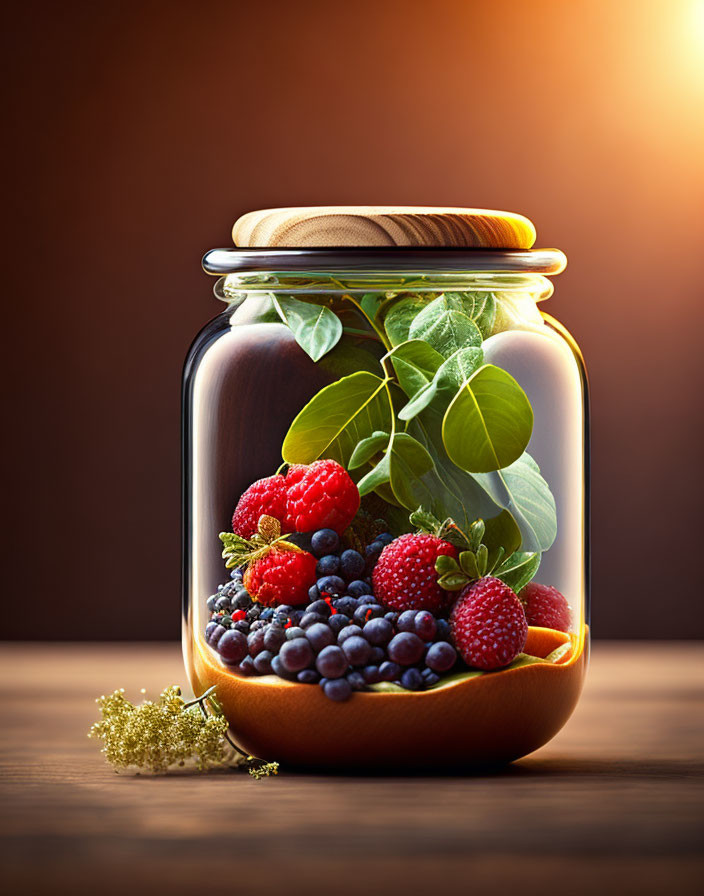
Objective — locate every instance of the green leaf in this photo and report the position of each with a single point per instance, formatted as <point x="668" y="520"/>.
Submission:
<point x="488" y="423"/>
<point x="522" y="491"/>
<point x="400" y="316"/>
<point x="451" y="374"/>
<point x="518" y="570"/>
<point x="479" y="306"/>
<point x="501" y="536"/>
<point x="453" y="581"/>
<point x="425" y="521"/>
<point x="444" y="564"/>
<point x="336" y="419"/>
<point x="404" y="464"/>
<point x="315" y="327"/>
<point x="446" y="332"/>
<point x="415" y="364"/>
<point x="468" y="564"/>
<point x="367" y="448"/>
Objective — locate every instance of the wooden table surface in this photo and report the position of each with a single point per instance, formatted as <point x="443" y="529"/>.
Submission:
<point x="614" y="803"/>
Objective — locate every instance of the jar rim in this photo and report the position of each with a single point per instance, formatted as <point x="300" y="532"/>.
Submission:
<point x="382" y="259"/>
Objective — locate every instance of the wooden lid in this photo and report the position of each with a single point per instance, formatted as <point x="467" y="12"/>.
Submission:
<point x="372" y="225"/>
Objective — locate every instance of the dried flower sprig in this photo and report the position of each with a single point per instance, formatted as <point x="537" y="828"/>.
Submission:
<point x="171" y="732"/>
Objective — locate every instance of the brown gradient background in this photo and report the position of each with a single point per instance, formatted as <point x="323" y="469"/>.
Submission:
<point x="138" y="132"/>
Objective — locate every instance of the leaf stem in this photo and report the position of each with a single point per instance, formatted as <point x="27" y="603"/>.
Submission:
<point x="379" y="332"/>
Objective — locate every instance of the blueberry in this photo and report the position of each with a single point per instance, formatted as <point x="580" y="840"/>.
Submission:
<point x="412" y="680"/>
<point x="441" y="656"/>
<point x="236" y="574"/>
<point x="328" y="565"/>
<point x="308" y="676"/>
<point x="331" y="662"/>
<point x="313" y="593"/>
<point x="371" y="674"/>
<point x="365" y="612"/>
<point x="254" y="611"/>
<point x="425" y="626"/>
<point x="338" y="690"/>
<point x="356" y="680"/>
<point x="430" y="678"/>
<point x="310" y="619"/>
<point x="367" y="598"/>
<point x="262" y="662"/>
<point x="352" y="564"/>
<point x="257" y="625"/>
<point x="385" y="538"/>
<point x="255" y="641"/>
<point x="320" y="635"/>
<point x="295" y="616"/>
<point x="377" y="655"/>
<point x="246" y="667"/>
<point x="331" y="585"/>
<point x="211" y="601"/>
<point x="374" y="549"/>
<point x="346" y="605"/>
<point x="392" y="617"/>
<point x="222" y="603"/>
<point x="294" y="632"/>
<point x="358" y="587"/>
<point x="241" y="626"/>
<point x="278" y="668"/>
<point x="407" y="621"/>
<point x="356" y="650"/>
<point x="296" y="655"/>
<point x="442" y="629"/>
<point x="268" y="613"/>
<point x="324" y="541"/>
<point x="274" y="637"/>
<point x="349" y="631"/>
<point x="405" y="648"/>
<point x="209" y="629"/>
<point x="284" y="610"/>
<point x="216" y="634"/>
<point x="389" y="671"/>
<point x="338" y="622"/>
<point x="242" y="600"/>
<point x="378" y="631"/>
<point x="321" y="607"/>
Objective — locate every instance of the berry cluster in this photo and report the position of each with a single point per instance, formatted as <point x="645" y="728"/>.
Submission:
<point x="343" y="640"/>
<point x="312" y="609"/>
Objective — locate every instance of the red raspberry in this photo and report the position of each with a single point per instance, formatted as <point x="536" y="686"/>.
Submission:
<point x="545" y="606"/>
<point x="281" y="577"/>
<point x="321" y="495"/>
<point x="488" y="624"/>
<point x="405" y="578"/>
<point x="265" y="496"/>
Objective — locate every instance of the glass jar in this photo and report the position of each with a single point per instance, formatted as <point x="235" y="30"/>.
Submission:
<point x="426" y="381"/>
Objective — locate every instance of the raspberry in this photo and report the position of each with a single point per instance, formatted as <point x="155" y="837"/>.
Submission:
<point x="281" y="577"/>
<point x="545" y="606"/>
<point x="488" y="624"/>
<point x="265" y="496"/>
<point x="320" y="496"/>
<point x="405" y="578"/>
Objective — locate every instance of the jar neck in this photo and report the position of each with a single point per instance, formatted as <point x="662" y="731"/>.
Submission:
<point x="234" y="287"/>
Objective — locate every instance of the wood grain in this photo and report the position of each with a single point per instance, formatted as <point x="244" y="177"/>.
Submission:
<point x="614" y="802"/>
<point x="371" y="225"/>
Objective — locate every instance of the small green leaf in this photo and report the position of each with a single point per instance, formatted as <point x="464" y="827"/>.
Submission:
<point x="518" y="569"/>
<point x="482" y="559"/>
<point x="315" y="327"/>
<point x="445" y="564"/>
<point x="452" y="374"/>
<point x="400" y="316"/>
<point x="488" y="423"/>
<point x="476" y="533"/>
<point x="336" y="419"/>
<point x="425" y="521"/>
<point x="453" y="581"/>
<point x="447" y="332"/>
<point x="468" y="563"/>
<point x="367" y="448"/>
<point x="415" y="364"/>
<point x="377" y="476"/>
<point x="523" y="492"/>
<point x="479" y="306"/>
